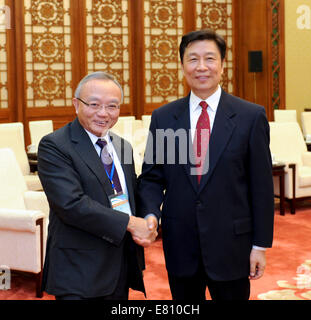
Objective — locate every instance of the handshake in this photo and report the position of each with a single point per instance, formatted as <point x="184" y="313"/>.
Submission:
<point x="144" y="231"/>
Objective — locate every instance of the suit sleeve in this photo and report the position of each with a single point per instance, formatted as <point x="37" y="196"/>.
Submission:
<point x="261" y="181"/>
<point x="68" y="199"/>
<point x="151" y="183"/>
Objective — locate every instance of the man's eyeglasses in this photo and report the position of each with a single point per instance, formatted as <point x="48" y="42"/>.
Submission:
<point x="96" y="106"/>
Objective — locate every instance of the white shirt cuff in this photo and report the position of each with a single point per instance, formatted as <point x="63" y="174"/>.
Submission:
<point x="259" y="248"/>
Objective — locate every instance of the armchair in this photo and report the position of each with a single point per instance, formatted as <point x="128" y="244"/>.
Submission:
<point x="306" y="125"/>
<point x="23" y="221"/>
<point x="288" y="146"/>
<point x="146" y="118"/>
<point x="12" y="136"/>
<point x="132" y="130"/>
<point x="38" y="129"/>
<point x="285" y="115"/>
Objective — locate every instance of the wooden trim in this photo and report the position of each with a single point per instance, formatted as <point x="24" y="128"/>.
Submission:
<point x="190" y="18"/>
<point x="282" y="54"/>
<point x="11" y="74"/>
<point x="39" y="292"/>
<point x="235" y="29"/>
<point x="20" y="60"/>
<point x="136" y="23"/>
<point x="5" y="115"/>
<point x="270" y="111"/>
<point x="189" y="15"/>
<point x="293" y="200"/>
<point x="280" y="7"/>
<point x="78" y="41"/>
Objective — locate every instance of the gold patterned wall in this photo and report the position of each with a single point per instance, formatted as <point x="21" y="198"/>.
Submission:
<point x="217" y="15"/>
<point x="163" y="29"/>
<point x="108" y="40"/>
<point x="48" y="56"/>
<point x="3" y="56"/>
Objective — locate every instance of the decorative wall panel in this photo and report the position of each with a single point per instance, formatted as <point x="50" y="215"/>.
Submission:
<point x="275" y="39"/>
<point x="108" y="40"/>
<point x="163" y="29"/>
<point x="48" y="56"/>
<point x="4" y="16"/>
<point x="217" y="15"/>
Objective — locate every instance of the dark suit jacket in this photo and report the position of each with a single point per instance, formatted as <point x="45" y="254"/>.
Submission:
<point x="86" y="237"/>
<point x="232" y="209"/>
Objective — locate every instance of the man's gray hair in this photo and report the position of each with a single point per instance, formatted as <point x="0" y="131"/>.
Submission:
<point x="98" y="75"/>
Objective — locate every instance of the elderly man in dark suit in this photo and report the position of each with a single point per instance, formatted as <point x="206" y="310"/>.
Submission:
<point x="217" y="198"/>
<point x="89" y="178"/>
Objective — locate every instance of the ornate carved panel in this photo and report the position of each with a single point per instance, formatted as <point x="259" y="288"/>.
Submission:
<point x="108" y="41"/>
<point x="163" y="29"/>
<point x="48" y="56"/>
<point x="3" y="57"/>
<point x="276" y="97"/>
<point x="217" y="15"/>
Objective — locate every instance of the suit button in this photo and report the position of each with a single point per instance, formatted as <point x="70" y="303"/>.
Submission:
<point x="198" y="202"/>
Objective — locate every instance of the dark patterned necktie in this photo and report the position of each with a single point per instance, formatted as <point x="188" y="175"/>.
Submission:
<point x="201" y="139"/>
<point x="109" y="165"/>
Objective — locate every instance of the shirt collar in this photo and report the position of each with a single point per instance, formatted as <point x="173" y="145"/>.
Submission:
<point x="95" y="138"/>
<point x="212" y="100"/>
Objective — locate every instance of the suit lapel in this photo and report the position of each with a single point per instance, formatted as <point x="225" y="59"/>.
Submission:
<point x="84" y="147"/>
<point x="223" y="128"/>
<point x="183" y="122"/>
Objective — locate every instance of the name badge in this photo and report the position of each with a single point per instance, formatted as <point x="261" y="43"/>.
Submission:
<point x="120" y="202"/>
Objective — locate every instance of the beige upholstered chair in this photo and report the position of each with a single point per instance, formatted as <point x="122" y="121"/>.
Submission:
<point x="132" y="130"/>
<point x="285" y="116"/>
<point x="146" y="118"/>
<point x="124" y="125"/>
<point x="39" y="129"/>
<point x="23" y="220"/>
<point x="306" y="125"/>
<point x="287" y="145"/>
<point x="12" y="136"/>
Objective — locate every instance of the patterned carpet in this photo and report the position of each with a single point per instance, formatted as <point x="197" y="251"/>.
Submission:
<point x="287" y="275"/>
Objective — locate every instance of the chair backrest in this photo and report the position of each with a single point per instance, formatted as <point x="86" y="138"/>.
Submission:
<point x="38" y="129"/>
<point x="124" y="126"/>
<point x="306" y="124"/>
<point x="287" y="142"/>
<point x="146" y="118"/>
<point x="17" y="126"/>
<point x="12" y="136"/>
<point x="285" y="116"/>
<point x="12" y="182"/>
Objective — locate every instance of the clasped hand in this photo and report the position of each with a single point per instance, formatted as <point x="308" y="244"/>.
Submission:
<point x="144" y="231"/>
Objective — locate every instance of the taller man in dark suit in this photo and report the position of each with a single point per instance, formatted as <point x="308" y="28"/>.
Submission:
<point x="208" y="163"/>
<point x="86" y="171"/>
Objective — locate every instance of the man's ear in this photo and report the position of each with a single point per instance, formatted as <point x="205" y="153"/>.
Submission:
<point x="76" y="104"/>
<point x="222" y="66"/>
<point x="182" y="68"/>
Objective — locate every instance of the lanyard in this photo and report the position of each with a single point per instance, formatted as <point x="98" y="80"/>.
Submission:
<point x="110" y="176"/>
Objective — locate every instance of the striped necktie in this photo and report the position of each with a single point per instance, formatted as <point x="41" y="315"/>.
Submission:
<point x="201" y="139"/>
<point x="109" y="166"/>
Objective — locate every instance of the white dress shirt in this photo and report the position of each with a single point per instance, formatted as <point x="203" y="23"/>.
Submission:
<point x="111" y="150"/>
<point x="195" y="109"/>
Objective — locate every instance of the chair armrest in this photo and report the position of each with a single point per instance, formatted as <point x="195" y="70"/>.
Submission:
<point x="288" y="163"/>
<point x="19" y="220"/>
<point x="36" y="200"/>
<point x="306" y="159"/>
